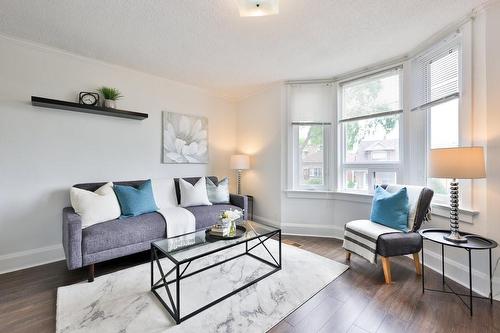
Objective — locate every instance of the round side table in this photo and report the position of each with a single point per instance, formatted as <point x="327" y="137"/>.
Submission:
<point x="474" y="242"/>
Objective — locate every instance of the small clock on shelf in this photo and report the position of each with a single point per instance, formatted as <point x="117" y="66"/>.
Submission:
<point x="88" y="98"/>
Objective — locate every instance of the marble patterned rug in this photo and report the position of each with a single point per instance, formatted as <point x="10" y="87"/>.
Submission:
<point x="122" y="301"/>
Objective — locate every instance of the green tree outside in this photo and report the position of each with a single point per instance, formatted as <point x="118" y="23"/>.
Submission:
<point x="357" y="100"/>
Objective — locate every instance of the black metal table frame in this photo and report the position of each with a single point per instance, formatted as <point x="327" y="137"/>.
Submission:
<point x="452" y="291"/>
<point x="174" y="308"/>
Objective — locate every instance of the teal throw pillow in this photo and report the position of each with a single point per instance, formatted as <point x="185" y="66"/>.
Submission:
<point x="135" y="201"/>
<point x="218" y="194"/>
<point x="390" y="209"/>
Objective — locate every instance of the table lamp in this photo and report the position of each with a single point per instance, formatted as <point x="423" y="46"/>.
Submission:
<point x="456" y="163"/>
<point x="239" y="163"/>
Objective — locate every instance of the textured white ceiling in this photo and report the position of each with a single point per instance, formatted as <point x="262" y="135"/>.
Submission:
<point x="206" y="43"/>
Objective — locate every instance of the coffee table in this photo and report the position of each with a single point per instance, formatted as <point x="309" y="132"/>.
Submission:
<point x="178" y="250"/>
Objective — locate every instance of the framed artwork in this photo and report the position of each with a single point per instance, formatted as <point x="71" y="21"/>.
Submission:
<point x="185" y="138"/>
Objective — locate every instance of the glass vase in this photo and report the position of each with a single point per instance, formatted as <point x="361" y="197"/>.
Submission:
<point x="232" y="229"/>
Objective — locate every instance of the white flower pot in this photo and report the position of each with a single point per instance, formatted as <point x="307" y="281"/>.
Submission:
<point x="109" y="103"/>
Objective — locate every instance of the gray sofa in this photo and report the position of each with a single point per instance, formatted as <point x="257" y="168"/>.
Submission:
<point x="121" y="237"/>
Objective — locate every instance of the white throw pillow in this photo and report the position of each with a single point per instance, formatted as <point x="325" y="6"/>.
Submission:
<point x="164" y="192"/>
<point x="95" y="207"/>
<point x="194" y="195"/>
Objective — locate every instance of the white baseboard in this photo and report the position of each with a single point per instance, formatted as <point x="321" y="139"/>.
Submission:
<point x="460" y="274"/>
<point x="314" y="230"/>
<point x="303" y="229"/>
<point x="265" y="220"/>
<point x="30" y="258"/>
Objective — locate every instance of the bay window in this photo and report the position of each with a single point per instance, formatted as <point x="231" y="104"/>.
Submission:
<point x="370" y="111"/>
<point x="310" y="116"/>
<point x="309" y="141"/>
<point x="348" y="135"/>
<point x="437" y="85"/>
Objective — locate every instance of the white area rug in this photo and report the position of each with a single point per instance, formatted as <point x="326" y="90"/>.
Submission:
<point x="122" y="301"/>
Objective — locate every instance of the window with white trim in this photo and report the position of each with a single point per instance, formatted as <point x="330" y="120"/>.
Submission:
<point x="310" y="113"/>
<point x="370" y="114"/>
<point x="437" y="80"/>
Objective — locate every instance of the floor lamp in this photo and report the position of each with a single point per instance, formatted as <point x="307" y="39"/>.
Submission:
<point x="240" y="163"/>
<point x="456" y="163"/>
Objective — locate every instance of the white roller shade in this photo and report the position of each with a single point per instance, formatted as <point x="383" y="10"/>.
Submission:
<point x="377" y="94"/>
<point x="436" y="75"/>
<point x="311" y="102"/>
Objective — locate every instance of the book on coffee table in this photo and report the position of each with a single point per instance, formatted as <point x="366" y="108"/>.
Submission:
<point x="219" y="230"/>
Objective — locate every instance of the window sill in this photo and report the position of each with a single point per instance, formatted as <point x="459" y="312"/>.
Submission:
<point x="329" y="195"/>
<point x="464" y="215"/>
<point x="442" y="210"/>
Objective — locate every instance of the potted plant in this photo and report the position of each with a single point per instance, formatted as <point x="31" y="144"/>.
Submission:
<point x="111" y="95"/>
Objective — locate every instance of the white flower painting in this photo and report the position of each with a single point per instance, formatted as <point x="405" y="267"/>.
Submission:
<point x="185" y="138"/>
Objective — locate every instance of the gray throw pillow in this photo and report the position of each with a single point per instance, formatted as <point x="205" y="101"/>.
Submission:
<point x="218" y="194"/>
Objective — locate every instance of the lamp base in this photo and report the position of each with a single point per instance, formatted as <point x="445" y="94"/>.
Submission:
<point x="239" y="181"/>
<point x="455" y="237"/>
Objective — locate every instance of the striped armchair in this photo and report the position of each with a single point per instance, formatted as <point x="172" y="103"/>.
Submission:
<point x="370" y="240"/>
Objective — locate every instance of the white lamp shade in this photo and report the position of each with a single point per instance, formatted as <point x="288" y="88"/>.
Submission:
<point x="240" y="162"/>
<point x="459" y="163"/>
<point x="258" y="7"/>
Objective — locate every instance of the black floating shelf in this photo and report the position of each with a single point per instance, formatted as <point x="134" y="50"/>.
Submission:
<point x="70" y="106"/>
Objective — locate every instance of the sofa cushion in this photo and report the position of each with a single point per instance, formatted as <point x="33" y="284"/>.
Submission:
<point x="95" y="186"/>
<point x="122" y="232"/>
<point x="207" y="216"/>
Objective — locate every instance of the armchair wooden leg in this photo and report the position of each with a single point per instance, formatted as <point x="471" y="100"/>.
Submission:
<point x="416" y="260"/>
<point x="347" y="256"/>
<point x="386" y="265"/>
<point x="91" y="271"/>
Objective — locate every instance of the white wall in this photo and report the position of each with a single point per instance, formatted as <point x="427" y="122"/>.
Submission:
<point x="492" y="56"/>
<point x="44" y="151"/>
<point x="324" y="217"/>
<point x="259" y="135"/>
<point x="325" y="214"/>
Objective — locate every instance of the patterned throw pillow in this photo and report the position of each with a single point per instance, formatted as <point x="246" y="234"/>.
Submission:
<point x="218" y="194"/>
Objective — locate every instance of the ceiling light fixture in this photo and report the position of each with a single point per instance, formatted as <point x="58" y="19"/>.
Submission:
<point x="258" y="7"/>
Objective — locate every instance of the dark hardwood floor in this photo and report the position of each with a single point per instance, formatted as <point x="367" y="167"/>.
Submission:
<point x="356" y="302"/>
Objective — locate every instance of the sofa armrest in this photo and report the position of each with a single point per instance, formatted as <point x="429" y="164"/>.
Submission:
<point x="240" y="201"/>
<point x="72" y="237"/>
